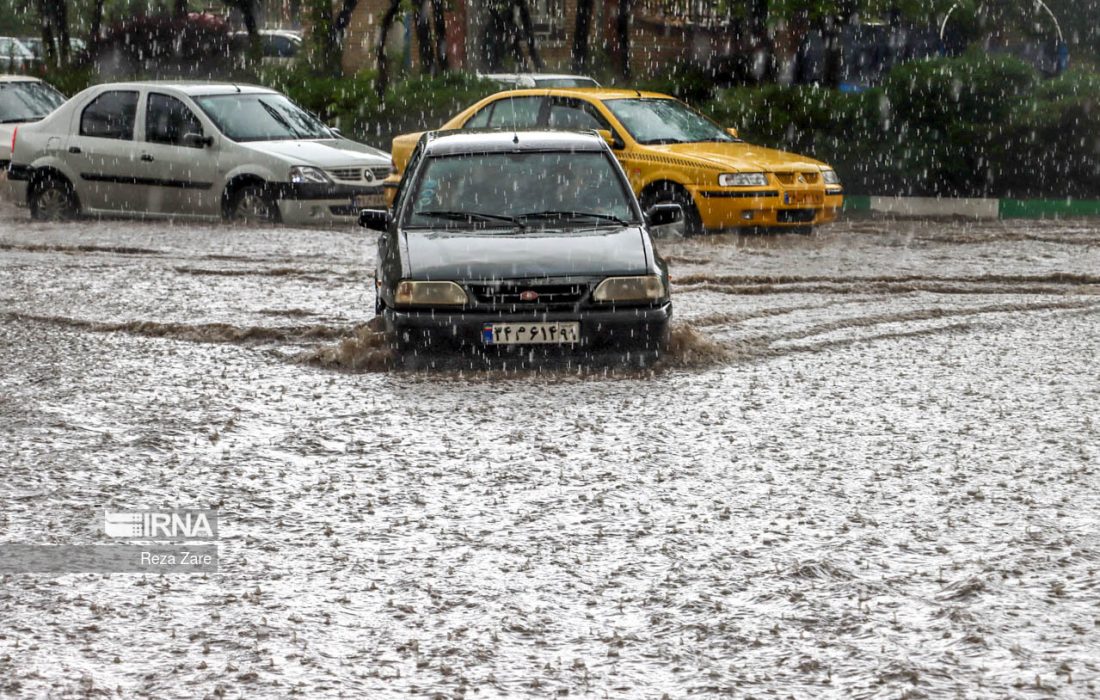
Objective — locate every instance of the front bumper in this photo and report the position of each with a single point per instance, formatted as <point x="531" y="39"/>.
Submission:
<point x="625" y="328"/>
<point x="722" y="208"/>
<point x="316" y="203"/>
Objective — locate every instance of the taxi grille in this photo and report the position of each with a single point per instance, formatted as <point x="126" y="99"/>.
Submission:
<point x="808" y="178"/>
<point x="506" y="295"/>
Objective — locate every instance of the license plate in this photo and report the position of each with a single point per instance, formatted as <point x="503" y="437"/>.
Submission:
<point x="369" y="201"/>
<point x="535" y="333"/>
<point x="798" y="198"/>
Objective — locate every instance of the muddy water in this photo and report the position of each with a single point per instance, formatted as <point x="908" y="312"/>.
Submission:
<point x="867" y="469"/>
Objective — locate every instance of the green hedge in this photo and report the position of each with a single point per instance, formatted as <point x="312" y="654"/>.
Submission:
<point x="973" y="126"/>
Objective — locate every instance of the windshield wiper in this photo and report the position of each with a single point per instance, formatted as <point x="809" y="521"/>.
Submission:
<point x="565" y="214"/>
<point x="471" y="216"/>
<point x="280" y="118"/>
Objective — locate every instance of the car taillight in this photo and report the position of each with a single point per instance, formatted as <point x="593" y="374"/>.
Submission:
<point x="14" y="132"/>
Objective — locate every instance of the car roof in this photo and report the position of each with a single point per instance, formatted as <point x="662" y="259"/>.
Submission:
<point x="485" y="141"/>
<point x="599" y="93"/>
<point x="18" y="79"/>
<point x="191" y="87"/>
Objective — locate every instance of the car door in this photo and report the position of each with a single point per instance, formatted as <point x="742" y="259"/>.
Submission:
<point x="177" y="164"/>
<point x="102" y="152"/>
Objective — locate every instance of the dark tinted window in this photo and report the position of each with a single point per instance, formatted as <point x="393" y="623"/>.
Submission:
<point x="168" y="120"/>
<point x="574" y="115"/>
<point x="110" y="116"/>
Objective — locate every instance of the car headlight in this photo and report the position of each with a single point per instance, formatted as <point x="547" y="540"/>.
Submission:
<point x="742" y="179"/>
<point x="411" y="293"/>
<point x="636" y="289"/>
<point x="829" y="177"/>
<point x="303" y="173"/>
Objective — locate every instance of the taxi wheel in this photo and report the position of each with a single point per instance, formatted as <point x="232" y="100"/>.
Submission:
<point x="803" y="230"/>
<point x="692" y="224"/>
<point x="253" y="204"/>
<point x="52" y="199"/>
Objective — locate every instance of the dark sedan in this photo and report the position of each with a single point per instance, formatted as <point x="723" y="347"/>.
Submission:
<point x="498" y="242"/>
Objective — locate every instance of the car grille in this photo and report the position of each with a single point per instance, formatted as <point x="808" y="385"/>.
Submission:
<point x="507" y="295"/>
<point x="360" y="174"/>
<point x="795" y="216"/>
<point x="808" y="178"/>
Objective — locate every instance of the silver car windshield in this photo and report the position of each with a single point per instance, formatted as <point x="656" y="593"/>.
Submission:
<point x="27" y="101"/>
<point x="530" y="189"/>
<point x="262" y="117"/>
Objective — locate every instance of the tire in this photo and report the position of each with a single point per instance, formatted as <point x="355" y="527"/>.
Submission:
<point x="692" y="224"/>
<point x="52" y="198"/>
<point x="252" y="204"/>
<point x="803" y="230"/>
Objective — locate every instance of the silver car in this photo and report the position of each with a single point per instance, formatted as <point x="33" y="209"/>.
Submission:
<point x="193" y="149"/>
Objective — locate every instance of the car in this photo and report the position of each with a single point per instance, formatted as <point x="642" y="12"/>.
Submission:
<point x="23" y="100"/>
<point x="14" y="55"/>
<point x="539" y="80"/>
<point x="38" y="47"/>
<point x="277" y="46"/>
<point x="508" y="243"/>
<point x="193" y="149"/>
<point x="671" y="153"/>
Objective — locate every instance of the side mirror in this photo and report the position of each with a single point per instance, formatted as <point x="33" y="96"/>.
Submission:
<point x="732" y="132"/>
<point x="612" y="139"/>
<point x="664" y="214"/>
<point x="193" y="140"/>
<point x="375" y="219"/>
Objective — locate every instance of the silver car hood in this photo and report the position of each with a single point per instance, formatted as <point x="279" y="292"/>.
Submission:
<point x="327" y="153"/>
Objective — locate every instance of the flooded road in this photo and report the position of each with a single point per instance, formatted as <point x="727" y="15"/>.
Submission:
<point x="867" y="469"/>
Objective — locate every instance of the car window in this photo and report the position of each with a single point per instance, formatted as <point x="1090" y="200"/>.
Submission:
<point x="481" y="119"/>
<point x="655" y="121"/>
<point x="27" y="101"/>
<point x="168" y="120"/>
<point x="110" y="116"/>
<point x="261" y="117"/>
<point x="515" y="113"/>
<point x="574" y="115"/>
<point x="280" y="47"/>
<point x="475" y="190"/>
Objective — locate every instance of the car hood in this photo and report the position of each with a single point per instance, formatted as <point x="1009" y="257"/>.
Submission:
<point x="542" y="253"/>
<point x="326" y="153"/>
<point x="742" y="157"/>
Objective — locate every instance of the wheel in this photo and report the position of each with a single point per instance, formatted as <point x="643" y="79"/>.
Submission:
<point x="803" y="230"/>
<point x="52" y="199"/>
<point x="692" y="224"/>
<point x="253" y="203"/>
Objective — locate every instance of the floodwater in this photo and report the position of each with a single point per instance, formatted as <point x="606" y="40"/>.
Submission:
<point x="867" y="469"/>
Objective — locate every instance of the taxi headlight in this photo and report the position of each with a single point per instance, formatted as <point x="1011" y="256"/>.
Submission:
<point x="636" y="289"/>
<point x="829" y="177"/>
<point x="742" y="179"/>
<point x="411" y="293"/>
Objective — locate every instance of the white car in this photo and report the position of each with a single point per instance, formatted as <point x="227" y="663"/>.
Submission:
<point x="22" y="100"/>
<point x="519" y="81"/>
<point x="196" y="150"/>
<point x="14" y="54"/>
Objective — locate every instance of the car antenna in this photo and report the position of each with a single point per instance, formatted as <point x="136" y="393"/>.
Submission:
<point x="638" y="91"/>
<point x="237" y="86"/>
<point x="515" y="137"/>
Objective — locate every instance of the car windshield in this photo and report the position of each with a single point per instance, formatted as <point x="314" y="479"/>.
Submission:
<point x="264" y="117"/>
<point x="27" y="101"/>
<point x="532" y="189"/>
<point x="655" y="121"/>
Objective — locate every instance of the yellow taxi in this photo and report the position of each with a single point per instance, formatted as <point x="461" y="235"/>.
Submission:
<point x="670" y="152"/>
